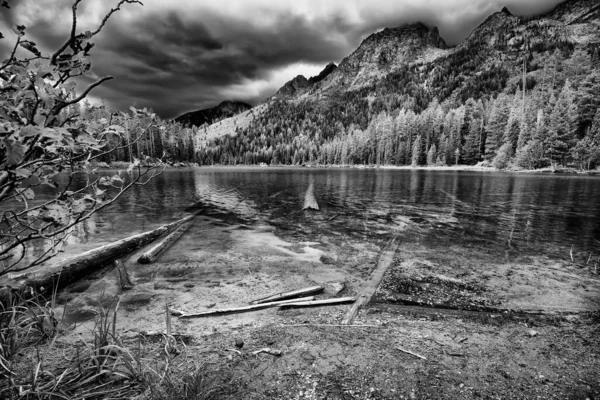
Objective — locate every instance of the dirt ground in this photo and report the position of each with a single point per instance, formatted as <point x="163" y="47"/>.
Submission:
<point x="480" y="324"/>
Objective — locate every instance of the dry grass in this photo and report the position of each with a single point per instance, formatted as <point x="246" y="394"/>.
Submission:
<point x="39" y="360"/>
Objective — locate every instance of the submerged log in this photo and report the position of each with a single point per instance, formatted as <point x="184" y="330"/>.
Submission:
<point x="236" y="310"/>
<point x="164" y="244"/>
<point x="316" y="303"/>
<point x="310" y="202"/>
<point x="72" y="269"/>
<point x="289" y="295"/>
<point x="123" y="275"/>
<point x="371" y="285"/>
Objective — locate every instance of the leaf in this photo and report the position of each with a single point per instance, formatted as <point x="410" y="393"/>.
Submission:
<point x="56" y="213"/>
<point x="134" y="111"/>
<point x="14" y="152"/>
<point x="115" y="179"/>
<point x="31" y="46"/>
<point x="19" y="30"/>
<point x="100" y="192"/>
<point x="29" y="131"/>
<point x="23" y="172"/>
<point x="29" y="194"/>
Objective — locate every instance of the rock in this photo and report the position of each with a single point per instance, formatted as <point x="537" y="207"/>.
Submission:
<point x="211" y="305"/>
<point x="134" y="298"/>
<point x="188" y="285"/>
<point x="335" y="288"/>
<point x="532" y="333"/>
<point x="239" y="343"/>
<point x="161" y="286"/>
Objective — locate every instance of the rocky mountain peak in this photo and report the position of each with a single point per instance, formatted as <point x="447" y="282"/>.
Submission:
<point x="294" y="86"/>
<point x="506" y="11"/>
<point x="388" y="49"/>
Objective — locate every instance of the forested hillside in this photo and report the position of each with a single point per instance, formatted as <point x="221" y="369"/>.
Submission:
<point x="519" y="92"/>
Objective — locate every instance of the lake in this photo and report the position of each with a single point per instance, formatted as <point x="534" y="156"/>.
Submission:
<point x="509" y="212"/>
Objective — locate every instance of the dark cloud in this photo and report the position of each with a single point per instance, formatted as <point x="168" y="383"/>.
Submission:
<point x="174" y="60"/>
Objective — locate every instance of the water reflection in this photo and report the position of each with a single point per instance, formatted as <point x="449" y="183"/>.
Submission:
<point x="511" y="211"/>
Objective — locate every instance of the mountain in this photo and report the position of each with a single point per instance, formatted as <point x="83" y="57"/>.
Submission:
<point x="518" y="90"/>
<point x="300" y="84"/>
<point x="225" y="109"/>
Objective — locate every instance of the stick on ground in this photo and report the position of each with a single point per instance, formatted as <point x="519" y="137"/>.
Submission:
<point x="288" y="295"/>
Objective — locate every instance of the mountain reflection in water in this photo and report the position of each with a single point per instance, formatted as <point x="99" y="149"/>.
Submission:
<point x="514" y="212"/>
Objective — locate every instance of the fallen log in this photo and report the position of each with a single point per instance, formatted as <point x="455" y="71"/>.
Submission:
<point x="155" y="251"/>
<point x="237" y="310"/>
<point x="371" y="285"/>
<point x="70" y="270"/>
<point x="316" y="303"/>
<point x="123" y="275"/>
<point x="289" y="295"/>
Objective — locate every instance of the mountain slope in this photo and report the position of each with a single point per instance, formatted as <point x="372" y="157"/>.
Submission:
<point x="225" y="109"/>
<point x="404" y="97"/>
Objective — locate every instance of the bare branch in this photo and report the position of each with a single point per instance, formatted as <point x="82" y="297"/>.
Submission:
<point x="74" y="36"/>
<point x="113" y="10"/>
<point x="65" y="45"/>
<point x="12" y="55"/>
<point x="57" y="108"/>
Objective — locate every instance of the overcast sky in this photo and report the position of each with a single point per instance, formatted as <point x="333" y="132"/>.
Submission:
<point x="181" y="55"/>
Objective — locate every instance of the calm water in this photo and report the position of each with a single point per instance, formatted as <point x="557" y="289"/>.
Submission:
<point x="514" y="212"/>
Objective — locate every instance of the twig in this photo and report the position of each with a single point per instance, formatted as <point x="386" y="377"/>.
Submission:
<point x="235" y="351"/>
<point x="571" y="252"/>
<point x="410" y="352"/>
<point x="273" y="352"/>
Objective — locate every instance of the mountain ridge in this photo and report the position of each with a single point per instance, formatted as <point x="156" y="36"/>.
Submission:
<point x="224" y="109"/>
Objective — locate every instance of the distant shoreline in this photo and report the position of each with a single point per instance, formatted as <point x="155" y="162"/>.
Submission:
<point x="471" y="168"/>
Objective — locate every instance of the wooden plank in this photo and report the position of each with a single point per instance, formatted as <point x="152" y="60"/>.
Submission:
<point x="317" y="303"/>
<point x="256" y="307"/>
<point x="164" y="244"/>
<point x="289" y="295"/>
<point x="386" y="259"/>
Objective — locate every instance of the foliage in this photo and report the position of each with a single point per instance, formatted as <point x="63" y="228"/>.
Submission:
<point x="45" y="141"/>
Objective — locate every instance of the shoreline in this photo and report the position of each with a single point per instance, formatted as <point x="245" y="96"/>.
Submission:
<point x="460" y="168"/>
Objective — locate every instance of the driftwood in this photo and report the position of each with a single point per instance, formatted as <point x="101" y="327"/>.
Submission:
<point x="289" y="295"/>
<point x="123" y="275"/>
<point x="273" y="352"/>
<point x="236" y="310"/>
<point x="72" y="269"/>
<point x="316" y="303"/>
<point x="330" y="325"/>
<point x="164" y="244"/>
<point x="310" y="202"/>
<point x="371" y="285"/>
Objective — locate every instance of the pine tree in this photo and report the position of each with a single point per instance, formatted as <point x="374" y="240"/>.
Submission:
<point x="499" y="114"/>
<point x="417" y="151"/>
<point x="431" y="155"/>
<point x="562" y="126"/>
<point x="588" y="97"/>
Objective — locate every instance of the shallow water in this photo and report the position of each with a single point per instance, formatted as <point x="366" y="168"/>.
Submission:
<point x="504" y="211"/>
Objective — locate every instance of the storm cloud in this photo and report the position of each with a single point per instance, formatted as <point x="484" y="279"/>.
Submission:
<point x="178" y="56"/>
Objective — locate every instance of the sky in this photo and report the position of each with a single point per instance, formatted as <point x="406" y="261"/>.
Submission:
<point x="176" y="56"/>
